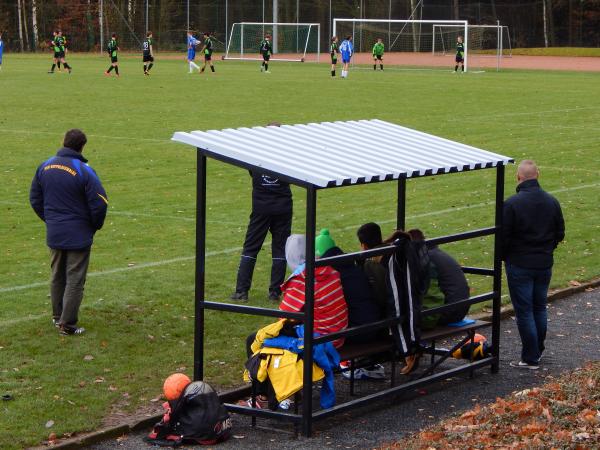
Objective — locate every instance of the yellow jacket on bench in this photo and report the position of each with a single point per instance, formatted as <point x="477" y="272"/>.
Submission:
<point x="283" y="368"/>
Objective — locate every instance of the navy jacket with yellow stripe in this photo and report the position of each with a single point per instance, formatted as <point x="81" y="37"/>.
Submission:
<point x="68" y="196"/>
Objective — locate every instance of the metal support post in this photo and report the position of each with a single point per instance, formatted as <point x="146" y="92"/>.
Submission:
<point x="309" y="309"/>
<point x="200" y="266"/>
<point x="401" y="210"/>
<point x="497" y="268"/>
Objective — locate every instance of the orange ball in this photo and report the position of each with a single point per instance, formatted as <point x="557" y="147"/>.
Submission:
<point x="174" y="385"/>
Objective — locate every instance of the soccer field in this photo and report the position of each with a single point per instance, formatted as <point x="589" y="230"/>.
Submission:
<point x="138" y="305"/>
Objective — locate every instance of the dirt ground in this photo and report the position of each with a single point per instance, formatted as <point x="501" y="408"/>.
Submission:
<point x="591" y="64"/>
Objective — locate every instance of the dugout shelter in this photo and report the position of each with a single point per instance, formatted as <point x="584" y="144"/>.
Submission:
<point x="328" y="155"/>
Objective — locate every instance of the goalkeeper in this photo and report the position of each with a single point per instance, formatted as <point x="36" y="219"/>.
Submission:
<point x="460" y="55"/>
<point x="378" y="50"/>
<point x="266" y="50"/>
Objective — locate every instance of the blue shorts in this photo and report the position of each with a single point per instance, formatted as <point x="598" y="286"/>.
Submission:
<point x="191" y="55"/>
<point x="346" y="60"/>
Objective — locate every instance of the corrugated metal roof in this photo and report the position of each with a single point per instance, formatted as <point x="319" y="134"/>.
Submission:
<point x="340" y="153"/>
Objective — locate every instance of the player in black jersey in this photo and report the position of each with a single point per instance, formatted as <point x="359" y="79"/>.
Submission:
<point x="207" y="49"/>
<point x="148" y="55"/>
<point x="266" y="50"/>
<point x="460" y="55"/>
<point x="334" y="52"/>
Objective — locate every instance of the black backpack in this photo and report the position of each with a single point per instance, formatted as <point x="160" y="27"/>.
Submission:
<point x="196" y="417"/>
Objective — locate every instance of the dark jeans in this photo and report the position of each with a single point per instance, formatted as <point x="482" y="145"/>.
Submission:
<point x="280" y="227"/>
<point x="69" y="269"/>
<point x="528" y="293"/>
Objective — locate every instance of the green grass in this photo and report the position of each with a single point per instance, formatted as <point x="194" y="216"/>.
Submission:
<point x="558" y="51"/>
<point x="140" y="318"/>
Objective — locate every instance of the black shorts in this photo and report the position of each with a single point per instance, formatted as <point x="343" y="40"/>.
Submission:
<point x="148" y="58"/>
<point x="459" y="59"/>
<point x="207" y="56"/>
<point x="378" y="57"/>
<point x="57" y="55"/>
<point x="114" y="59"/>
<point x="333" y="59"/>
<point x="266" y="56"/>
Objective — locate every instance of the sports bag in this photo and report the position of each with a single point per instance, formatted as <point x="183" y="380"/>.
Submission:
<point x="196" y="417"/>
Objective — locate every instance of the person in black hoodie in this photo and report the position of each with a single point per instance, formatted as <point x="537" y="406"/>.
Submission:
<point x="533" y="226"/>
<point x="67" y="195"/>
<point x="271" y="212"/>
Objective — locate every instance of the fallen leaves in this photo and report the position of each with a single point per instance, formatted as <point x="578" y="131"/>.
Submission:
<point x="564" y="413"/>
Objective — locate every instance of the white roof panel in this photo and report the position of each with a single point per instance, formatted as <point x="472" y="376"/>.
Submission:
<point x="340" y="153"/>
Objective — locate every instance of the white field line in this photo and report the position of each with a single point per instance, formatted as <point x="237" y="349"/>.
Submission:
<point x="237" y="249"/>
<point x="526" y="113"/>
<point x="99" y="136"/>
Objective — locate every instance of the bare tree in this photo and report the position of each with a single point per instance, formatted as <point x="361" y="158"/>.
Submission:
<point x="34" y="24"/>
<point x="20" y="18"/>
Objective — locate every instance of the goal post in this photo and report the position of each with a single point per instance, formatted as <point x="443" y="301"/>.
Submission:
<point x="297" y="42"/>
<point x="399" y="35"/>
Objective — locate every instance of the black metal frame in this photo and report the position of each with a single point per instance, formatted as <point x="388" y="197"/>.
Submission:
<point x="307" y="416"/>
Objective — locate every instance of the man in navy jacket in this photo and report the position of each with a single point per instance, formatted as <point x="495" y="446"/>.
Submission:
<point x="67" y="195"/>
<point x="533" y="226"/>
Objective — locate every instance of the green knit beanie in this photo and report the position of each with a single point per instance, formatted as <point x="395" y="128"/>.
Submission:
<point x="323" y="242"/>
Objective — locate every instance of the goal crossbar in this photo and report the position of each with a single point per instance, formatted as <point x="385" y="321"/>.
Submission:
<point x="458" y="23"/>
<point x="274" y="25"/>
<point x="500" y="35"/>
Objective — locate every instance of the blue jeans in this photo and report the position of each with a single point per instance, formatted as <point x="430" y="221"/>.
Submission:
<point x="528" y="293"/>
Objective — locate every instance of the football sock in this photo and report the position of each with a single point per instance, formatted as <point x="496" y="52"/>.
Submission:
<point x="58" y="65"/>
<point x="381" y="66"/>
<point x="67" y="66"/>
<point x="117" y="70"/>
<point x="212" y="68"/>
<point x="456" y="67"/>
<point x="110" y="69"/>
<point x="150" y="66"/>
<point x="462" y="68"/>
<point x="333" y="73"/>
<point x="374" y="66"/>
<point x="145" y="68"/>
<point x="266" y="67"/>
<point x="53" y="66"/>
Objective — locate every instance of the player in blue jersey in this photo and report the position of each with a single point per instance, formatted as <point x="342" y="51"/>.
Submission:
<point x="347" y="50"/>
<point x="192" y="42"/>
<point x="1" y="50"/>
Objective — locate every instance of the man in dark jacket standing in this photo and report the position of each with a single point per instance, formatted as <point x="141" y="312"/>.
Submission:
<point x="67" y="195"/>
<point x="271" y="212"/>
<point x="533" y="226"/>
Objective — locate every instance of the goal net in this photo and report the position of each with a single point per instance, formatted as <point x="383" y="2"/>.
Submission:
<point x="407" y="42"/>
<point x="485" y="40"/>
<point x="290" y="41"/>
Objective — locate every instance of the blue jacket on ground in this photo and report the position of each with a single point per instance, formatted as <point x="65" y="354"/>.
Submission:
<point x="67" y="195"/>
<point x="324" y="355"/>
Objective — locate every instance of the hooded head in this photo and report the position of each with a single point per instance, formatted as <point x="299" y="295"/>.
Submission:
<point x="295" y="249"/>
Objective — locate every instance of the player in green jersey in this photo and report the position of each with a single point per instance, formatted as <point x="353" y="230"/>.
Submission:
<point x="460" y="55"/>
<point x="266" y="50"/>
<point x="378" y="49"/>
<point x="334" y="52"/>
<point x="148" y="53"/>
<point x="113" y="48"/>
<point x="56" y="49"/>
<point x="61" y="42"/>
<point x="207" y="50"/>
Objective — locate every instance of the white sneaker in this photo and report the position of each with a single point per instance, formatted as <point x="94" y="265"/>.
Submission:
<point x="285" y="404"/>
<point x="524" y="365"/>
<point x="376" y="372"/>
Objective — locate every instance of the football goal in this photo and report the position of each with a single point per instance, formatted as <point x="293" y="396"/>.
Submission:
<point x="290" y="41"/>
<point x="409" y="41"/>
<point x="486" y="40"/>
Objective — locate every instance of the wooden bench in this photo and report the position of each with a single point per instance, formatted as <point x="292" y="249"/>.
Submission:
<point x="385" y="349"/>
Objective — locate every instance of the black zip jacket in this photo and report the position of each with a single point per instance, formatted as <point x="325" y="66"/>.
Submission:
<point x="270" y="196"/>
<point x="533" y="226"/>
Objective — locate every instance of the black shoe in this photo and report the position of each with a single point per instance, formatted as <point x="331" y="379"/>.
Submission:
<point x="274" y="296"/>
<point x="240" y="296"/>
<point x="67" y="331"/>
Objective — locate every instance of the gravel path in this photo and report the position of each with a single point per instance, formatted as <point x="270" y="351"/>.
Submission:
<point x="573" y="338"/>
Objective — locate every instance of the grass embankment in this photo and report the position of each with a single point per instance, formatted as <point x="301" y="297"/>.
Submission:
<point x="138" y="305"/>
